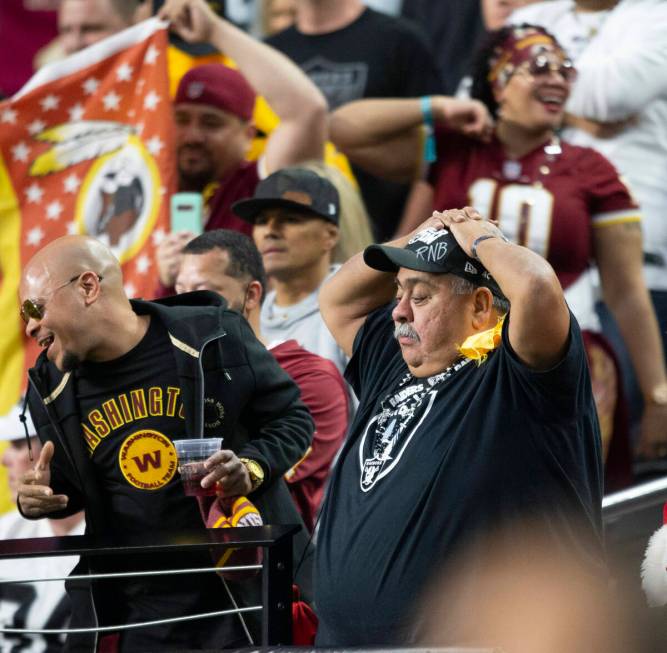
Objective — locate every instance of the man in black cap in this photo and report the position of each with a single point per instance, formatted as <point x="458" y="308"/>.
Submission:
<point x="474" y="420"/>
<point x="294" y="213"/>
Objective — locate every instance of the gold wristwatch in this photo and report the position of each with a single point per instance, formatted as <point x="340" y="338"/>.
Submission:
<point x="255" y="472"/>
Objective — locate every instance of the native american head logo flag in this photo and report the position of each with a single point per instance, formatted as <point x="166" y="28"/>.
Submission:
<point x="85" y="148"/>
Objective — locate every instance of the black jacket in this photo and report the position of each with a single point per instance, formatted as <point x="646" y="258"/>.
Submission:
<point x="217" y="355"/>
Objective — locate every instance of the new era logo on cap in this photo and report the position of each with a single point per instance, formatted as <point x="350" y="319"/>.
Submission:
<point x="195" y="90"/>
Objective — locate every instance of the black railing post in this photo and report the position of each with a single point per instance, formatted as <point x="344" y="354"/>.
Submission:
<point x="277" y="594"/>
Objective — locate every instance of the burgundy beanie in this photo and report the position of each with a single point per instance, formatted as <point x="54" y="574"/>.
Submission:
<point x="219" y="86"/>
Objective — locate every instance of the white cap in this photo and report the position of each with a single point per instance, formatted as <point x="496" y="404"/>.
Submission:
<point x="11" y="427"/>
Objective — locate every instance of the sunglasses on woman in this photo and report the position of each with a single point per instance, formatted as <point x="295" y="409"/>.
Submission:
<point x="543" y="65"/>
<point x="35" y="308"/>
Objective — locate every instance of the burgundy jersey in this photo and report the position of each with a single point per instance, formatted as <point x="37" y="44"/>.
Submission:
<point x="547" y="202"/>
<point x="238" y="185"/>
<point x="324" y="392"/>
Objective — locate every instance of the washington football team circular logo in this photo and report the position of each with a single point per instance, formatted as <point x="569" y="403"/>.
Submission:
<point x="147" y="460"/>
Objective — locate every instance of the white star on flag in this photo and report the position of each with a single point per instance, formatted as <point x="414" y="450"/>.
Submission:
<point x="72" y="228"/>
<point x="90" y="85"/>
<point x="34" y="193"/>
<point x="54" y="210"/>
<point x="36" y="126"/>
<point x="140" y="84"/>
<point x="130" y="290"/>
<point x="20" y="152"/>
<point x="151" y="100"/>
<point x="154" y="145"/>
<point x="34" y="236"/>
<point x="76" y="112"/>
<point x="50" y="102"/>
<point x="151" y="55"/>
<point x="71" y="183"/>
<point x="124" y="72"/>
<point x="8" y="115"/>
<point x="111" y="101"/>
<point x="158" y="236"/>
<point x="139" y="127"/>
<point x="143" y="263"/>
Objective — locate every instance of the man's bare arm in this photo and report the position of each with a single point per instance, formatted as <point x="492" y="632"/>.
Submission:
<point x="540" y="321"/>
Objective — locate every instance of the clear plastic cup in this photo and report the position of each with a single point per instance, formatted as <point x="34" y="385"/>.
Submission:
<point x="191" y="456"/>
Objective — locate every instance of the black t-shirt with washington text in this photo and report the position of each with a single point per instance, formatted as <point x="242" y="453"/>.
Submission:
<point x="131" y="410"/>
<point x="432" y="466"/>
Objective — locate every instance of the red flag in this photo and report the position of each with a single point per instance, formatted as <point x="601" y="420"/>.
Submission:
<point x="86" y="147"/>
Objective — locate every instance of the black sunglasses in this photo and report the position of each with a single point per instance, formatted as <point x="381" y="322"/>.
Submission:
<point x="34" y="308"/>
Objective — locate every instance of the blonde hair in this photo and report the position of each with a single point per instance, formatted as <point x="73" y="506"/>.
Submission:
<point x="353" y="225"/>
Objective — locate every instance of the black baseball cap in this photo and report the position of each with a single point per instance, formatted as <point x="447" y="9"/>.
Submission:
<point x="432" y="250"/>
<point x="292" y="188"/>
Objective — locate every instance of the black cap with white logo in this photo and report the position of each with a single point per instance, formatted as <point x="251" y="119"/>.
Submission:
<point x="435" y="251"/>
<point x="292" y="188"/>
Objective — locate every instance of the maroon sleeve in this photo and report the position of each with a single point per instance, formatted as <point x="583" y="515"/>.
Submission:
<point x="325" y="395"/>
<point x="607" y="192"/>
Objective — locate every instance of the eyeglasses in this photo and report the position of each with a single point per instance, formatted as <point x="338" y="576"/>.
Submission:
<point x="34" y="308"/>
<point x="543" y="65"/>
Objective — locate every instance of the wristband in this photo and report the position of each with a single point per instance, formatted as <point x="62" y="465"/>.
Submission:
<point x="479" y="239"/>
<point x="430" y="154"/>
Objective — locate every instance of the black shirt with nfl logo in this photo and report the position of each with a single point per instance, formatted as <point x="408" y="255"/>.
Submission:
<point x="433" y="465"/>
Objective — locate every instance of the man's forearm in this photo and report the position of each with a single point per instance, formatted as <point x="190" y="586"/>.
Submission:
<point x="540" y="322"/>
<point x="289" y="92"/>
<point x="365" y="123"/>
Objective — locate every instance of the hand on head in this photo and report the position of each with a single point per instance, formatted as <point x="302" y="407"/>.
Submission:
<point x="35" y="495"/>
<point x="470" y="117"/>
<point x="466" y="225"/>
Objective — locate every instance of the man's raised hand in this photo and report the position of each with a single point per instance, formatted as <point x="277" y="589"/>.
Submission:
<point x="192" y="20"/>
<point x="35" y="496"/>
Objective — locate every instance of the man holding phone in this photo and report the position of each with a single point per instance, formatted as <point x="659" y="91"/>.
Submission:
<point x="214" y="128"/>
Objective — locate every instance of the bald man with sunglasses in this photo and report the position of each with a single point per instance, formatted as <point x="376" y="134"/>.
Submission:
<point x="116" y="382"/>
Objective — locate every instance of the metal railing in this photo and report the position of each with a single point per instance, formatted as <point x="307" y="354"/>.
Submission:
<point x="276" y="542"/>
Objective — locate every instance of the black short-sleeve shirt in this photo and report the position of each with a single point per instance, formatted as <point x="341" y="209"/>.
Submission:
<point x="449" y="461"/>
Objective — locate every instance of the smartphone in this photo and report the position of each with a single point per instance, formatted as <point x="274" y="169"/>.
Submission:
<point x="187" y="211"/>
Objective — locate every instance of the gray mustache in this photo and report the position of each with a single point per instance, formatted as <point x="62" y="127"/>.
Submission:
<point x="405" y="330"/>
